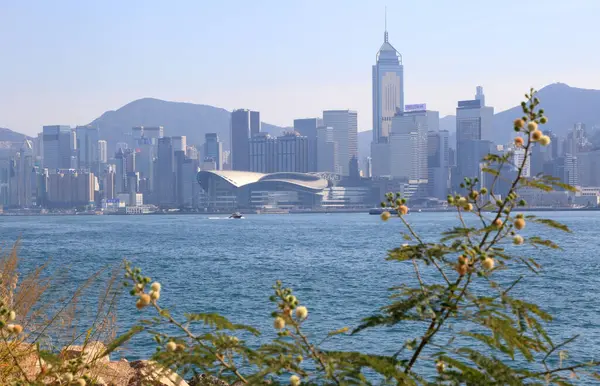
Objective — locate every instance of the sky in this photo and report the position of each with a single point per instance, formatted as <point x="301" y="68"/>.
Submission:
<point x="68" y="61"/>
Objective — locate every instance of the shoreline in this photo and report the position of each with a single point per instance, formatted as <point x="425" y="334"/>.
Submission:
<point x="291" y="212"/>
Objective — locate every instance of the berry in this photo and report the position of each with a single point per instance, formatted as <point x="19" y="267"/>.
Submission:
<point x="488" y="263"/>
<point x="518" y="240"/>
<point x="519" y="141"/>
<point x="519" y="123"/>
<point x="385" y="216"/>
<point x="536" y="135"/>
<point x="498" y="223"/>
<point x="532" y="126"/>
<point x="519" y="223"/>
<point x="403" y="209"/>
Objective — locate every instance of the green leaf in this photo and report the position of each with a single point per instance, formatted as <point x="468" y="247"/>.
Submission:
<point x="552" y="224"/>
<point x="121" y="340"/>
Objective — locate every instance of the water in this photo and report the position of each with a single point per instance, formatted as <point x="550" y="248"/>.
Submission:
<point x="335" y="263"/>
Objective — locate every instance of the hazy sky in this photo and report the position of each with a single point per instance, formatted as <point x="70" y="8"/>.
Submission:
<point x="66" y="62"/>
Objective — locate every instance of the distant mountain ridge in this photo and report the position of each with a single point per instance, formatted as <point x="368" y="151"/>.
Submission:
<point x="177" y="118"/>
<point x="563" y="104"/>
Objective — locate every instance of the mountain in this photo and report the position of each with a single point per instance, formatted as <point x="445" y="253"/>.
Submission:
<point x="448" y="123"/>
<point x="177" y="118"/>
<point x="11" y="136"/>
<point x="564" y="106"/>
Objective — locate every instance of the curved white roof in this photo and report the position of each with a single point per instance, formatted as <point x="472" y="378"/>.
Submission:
<point x="241" y="178"/>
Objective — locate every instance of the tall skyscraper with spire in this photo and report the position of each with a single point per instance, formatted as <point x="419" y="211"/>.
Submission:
<point x="388" y="89"/>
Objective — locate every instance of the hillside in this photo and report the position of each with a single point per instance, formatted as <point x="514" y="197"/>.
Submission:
<point x="564" y="106"/>
<point x="11" y="136"/>
<point x="177" y="118"/>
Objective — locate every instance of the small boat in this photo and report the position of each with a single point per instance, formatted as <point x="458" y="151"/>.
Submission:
<point x="236" y="215"/>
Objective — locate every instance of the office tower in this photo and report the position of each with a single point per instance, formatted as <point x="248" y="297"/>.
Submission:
<point x="474" y="122"/>
<point x="566" y="168"/>
<point x="368" y="167"/>
<point x="408" y="143"/>
<point x="388" y="89"/>
<point x="292" y="153"/>
<point x="102" y="152"/>
<point x="554" y="148"/>
<point x="165" y="176"/>
<point x="26" y="176"/>
<point x="588" y="164"/>
<point x="120" y="172"/>
<point x="108" y="186"/>
<point x="226" y="160"/>
<point x="153" y="132"/>
<point x="133" y="182"/>
<point x="87" y="148"/>
<point x="137" y="133"/>
<point x="179" y="143"/>
<point x="192" y="152"/>
<point x="213" y="149"/>
<point x="345" y="131"/>
<point x="518" y="156"/>
<point x="122" y="145"/>
<point x="438" y="164"/>
<point x="326" y="151"/>
<point x="263" y="153"/>
<point x="255" y="125"/>
<point x="244" y="124"/>
<point x="186" y="170"/>
<point x="307" y="127"/>
<point x="57" y="147"/>
<point x="70" y="189"/>
<point x="130" y="160"/>
<point x="479" y="95"/>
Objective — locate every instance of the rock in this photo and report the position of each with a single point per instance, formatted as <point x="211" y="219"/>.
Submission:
<point x="112" y="373"/>
<point x="151" y="373"/>
<point x="90" y="352"/>
<point x="206" y="380"/>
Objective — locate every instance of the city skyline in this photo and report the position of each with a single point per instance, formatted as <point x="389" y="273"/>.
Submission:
<point x="63" y="91"/>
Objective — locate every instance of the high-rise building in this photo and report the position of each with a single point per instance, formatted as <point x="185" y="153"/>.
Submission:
<point x="244" y="124"/>
<point x="255" y="125"/>
<point x="179" y="143"/>
<point x="120" y="172"/>
<point x="326" y="151"/>
<point x="102" y="152"/>
<point x="26" y="176"/>
<point x="388" y="89"/>
<point x="58" y="147"/>
<point x="87" y="148"/>
<point x="153" y="132"/>
<point x="213" y="148"/>
<point x="108" y="185"/>
<point x="165" y="176"/>
<point x="438" y="164"/>
<point x="263" y="153"/>
<point x="408" y="143"/>
<point x="474" y="122"/>
<point x="68" y="188"/>
<point x="292" y="153"/>
<point x="345" y="134"/>
<point x="307" y="127"/>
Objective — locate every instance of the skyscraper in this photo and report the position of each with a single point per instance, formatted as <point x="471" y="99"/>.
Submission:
<point x="57" y="147"/>
<point x="438" y="164"/>
<point x="292" y="153"/>
<point x="474" y="122"/>
<point x="263" y="153"/>
<point x="179" y="143"/>
<point x="244" y="124"/>
<point x="345" y="131"/>
<point x="326" y="151"/>
<point x="87" y="148"/>
<point x="102" y="151"/>
<point x="388" y="89"/>
<point x="213" y="148"/>
<point x="307" y="127"/>
<point x="26" y="176"/>
<point x="165" y="176"/>
<point x="408" y="143"/>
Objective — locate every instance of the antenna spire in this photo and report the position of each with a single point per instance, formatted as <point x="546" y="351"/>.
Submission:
<point x="385" y="34"/>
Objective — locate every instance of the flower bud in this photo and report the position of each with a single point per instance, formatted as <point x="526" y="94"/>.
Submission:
<point x="536" y="135"/>
<point x="545" y="140"/>
<point x="385" y="216"/>
<point x="488" y="263"/>
<point x="518" y="240"/>
<point x="15" y="328"/>
<point x="155" y="286"/>
<point x="403" y="209"/>
<point x="498" y="223"/>
<point x="543" y="120"/>
<point x="171" y="346"/>
<point x="531" y="126"/>
<point x="468" y="207"/>
<point x="279" y="323"/>
<point x="144" y="299"/>
<point x="519" y="141"/>
<point x="462" y="269"/>
<point x="462" y="201"/>
<point x="301" y="312"/>
<point x="484" y="190"/>
<point x="12" y="315"/>
<point x="519" y="123"/>
<point x="154" y="295"/>
<point x="81" y="382"/>
<point x="67" y="377"/>
<point x="294" y="380"/>
<point x="519" y="223"/>
<point x="440" y="367"/>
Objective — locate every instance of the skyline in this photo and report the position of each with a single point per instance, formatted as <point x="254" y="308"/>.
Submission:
<point x="317" y="60"/>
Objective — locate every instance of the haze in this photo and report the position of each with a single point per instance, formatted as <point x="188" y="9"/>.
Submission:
<point x="67" y="62"/>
